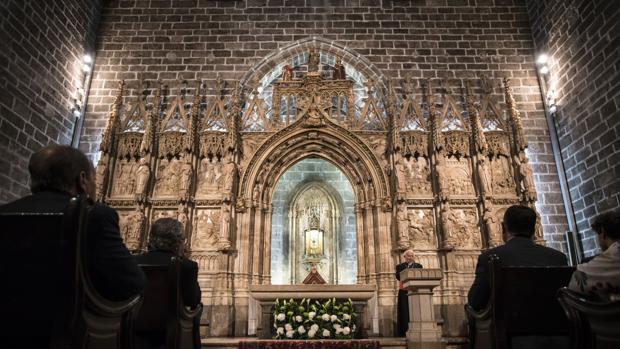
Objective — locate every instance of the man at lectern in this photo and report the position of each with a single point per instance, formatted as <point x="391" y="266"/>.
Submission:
<point x="402" y="317"/>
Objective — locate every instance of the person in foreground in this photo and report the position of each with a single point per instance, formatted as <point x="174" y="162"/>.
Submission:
<point x="600" y="277"/>
<point x="166" y="240"/>
<point x="60" y="172"/>
<point x="402" y="320"/>
<point x="518" y="227"/>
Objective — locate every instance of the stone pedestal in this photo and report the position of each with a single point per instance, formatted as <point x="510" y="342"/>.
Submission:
<point x="423" y="332"/>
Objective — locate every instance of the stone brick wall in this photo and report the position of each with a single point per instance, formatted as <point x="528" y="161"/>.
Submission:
<point x="582" y="40"/>
<point x="41" y="68"/>
<point x="452" y="39"/>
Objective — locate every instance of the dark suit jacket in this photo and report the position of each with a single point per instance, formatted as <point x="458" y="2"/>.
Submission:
<point x="518" y="251"/>
<point x="190" y="290"/>
<point x="402" y="266"/>
<point x="111" y="268"/>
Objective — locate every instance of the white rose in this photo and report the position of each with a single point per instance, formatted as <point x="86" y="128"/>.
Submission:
<point x="298" y="318"/>
<point x="311" y="315"/>
<point x="325" y="333"/>
<point x="288" y="327"/>
<point x="346" y="316"/>
<point x="290" y="334"/>
<point x="334" y="318"/>
<point x="338" y="330"/>
<point x="281" y="317"/>
<point x="314" y="327"/>
<point x="346" y="330"/>
<point x="311" y="334"/>
<point x="280" y="330"/>
<point x="337" y="326"/>
<point x="325" y="317"/>
<point x="301" y="330"/>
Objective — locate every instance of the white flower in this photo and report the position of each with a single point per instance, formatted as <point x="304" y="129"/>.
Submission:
<point x="325" y="317"/>
<point x="338" y="330"/>
<point x="353" y="328"/>
<point x="288" y="327"/>
<point x="281" y="317"/>
<point x="280" y="330"/>
<point x="311" y="315"/>
<point x="325" y="333"/>
<point x="311" y="334"/>
<point x="314" y="327"/>
<point x="346" y="330"/>
<point x="298" y="318"/>
<point x="346" y="316"/>
<point x="334" y="318"/>
<point x="337" y="326"/>
<point x="301" y="329"/>
<point x="290" y="334"/>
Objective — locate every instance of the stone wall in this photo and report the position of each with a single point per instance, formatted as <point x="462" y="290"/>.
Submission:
<point x="451" y="39"/>
<point x="41" y="69"/>
<point x="582" y="40"/>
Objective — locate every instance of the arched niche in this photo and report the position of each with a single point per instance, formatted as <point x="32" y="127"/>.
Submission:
<point x="313" y="194"/>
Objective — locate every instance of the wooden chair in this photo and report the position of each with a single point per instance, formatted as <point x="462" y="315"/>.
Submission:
<point x="163" y="317"/>
<point x="595" y="324"/>
<point x="522" y="304"/>
<point x="48" y="300"/>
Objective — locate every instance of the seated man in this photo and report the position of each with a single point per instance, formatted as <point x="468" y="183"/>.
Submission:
<point x="600" y="277"/>
<point x="518" y="228"/>
<point x="166" y="241"/>
<point x="60" y="172"/>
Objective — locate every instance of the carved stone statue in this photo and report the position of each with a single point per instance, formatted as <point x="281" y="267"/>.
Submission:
<point x="441" y="169"/>
<point x="185" y="176"/>
<point x="256" y="193"/>
<point x="483" y="174"/>
<point x="230" y="172"/>
<point x="525" y="176"/>
<point x="182" y="215"/>
<point x="339" y="72"/>
<point x="131" y="228"/>
<point x="447" y="223"/>
<point x="403" y="227"/>
<point x="491" y="223"/>
<point x="224" y="240"/>
<point x="313" y="60"/>
<point x="401" y="175"/>
<point x="102" y="166"/>
<point x="142" y="175"/>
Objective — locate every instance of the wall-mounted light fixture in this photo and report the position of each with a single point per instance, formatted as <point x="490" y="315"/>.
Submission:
<point x="80" y="97"/>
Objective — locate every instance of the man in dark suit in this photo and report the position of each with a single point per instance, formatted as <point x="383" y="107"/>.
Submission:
<point x="402" y="319"/>
<point x="518" y="228"/>
<point x="58" y="173"/>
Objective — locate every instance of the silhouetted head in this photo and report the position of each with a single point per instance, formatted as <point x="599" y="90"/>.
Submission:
<point x="607" y="227"/>
<point x="166" y="235"/>
<point x="518" y="221"/>
<point x="63" y="168"/>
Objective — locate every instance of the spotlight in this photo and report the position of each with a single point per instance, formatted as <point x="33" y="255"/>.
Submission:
<point x="542" y="59"/>
<point x="544" y="69"/>
<point x="553" y="108"/>
<point x="86" y="68"/>
<point x="87" y="59"/>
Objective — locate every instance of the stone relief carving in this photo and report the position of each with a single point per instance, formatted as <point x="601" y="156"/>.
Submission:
<point x="421" y="232"/>
<point x="419" y="175"/>
<point x="458" y="178"/>
<point x="167" y="182"/>
<point x="131" y="228"/>
<point x="464" y="223"/>
<point x="125" y="183"/>
<point x="206" y="230"/>
<point x="503" y="180"/>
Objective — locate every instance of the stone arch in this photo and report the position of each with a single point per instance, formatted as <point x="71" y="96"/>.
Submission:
<point x="274" y="60"/>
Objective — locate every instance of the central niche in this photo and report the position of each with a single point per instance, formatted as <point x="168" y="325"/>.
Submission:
<point x="313" y="225"/>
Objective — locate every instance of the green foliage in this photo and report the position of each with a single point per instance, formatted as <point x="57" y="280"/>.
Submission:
<point x="314" y="319"/>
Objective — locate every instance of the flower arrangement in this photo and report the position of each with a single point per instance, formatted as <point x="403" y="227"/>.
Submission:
<point x="314" y="319"/>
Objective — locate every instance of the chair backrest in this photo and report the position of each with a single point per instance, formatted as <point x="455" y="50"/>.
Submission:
<point x="38" y="264"/>
<point x="595" y="324"/>
<point x="524" y="303"/>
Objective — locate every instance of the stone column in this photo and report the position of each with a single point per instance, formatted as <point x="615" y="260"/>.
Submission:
<point x="423" y="332"/>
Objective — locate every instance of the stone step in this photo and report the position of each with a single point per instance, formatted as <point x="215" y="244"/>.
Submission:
<point x="232" y="342"/>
